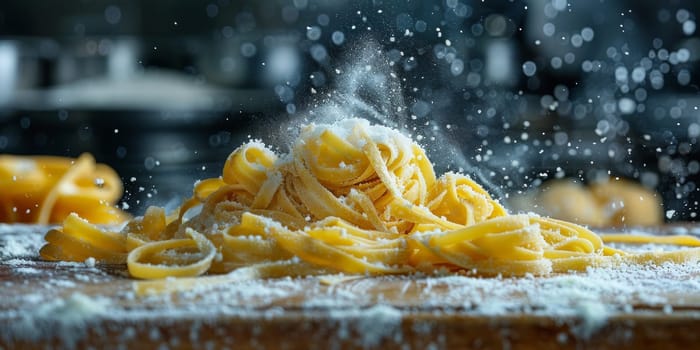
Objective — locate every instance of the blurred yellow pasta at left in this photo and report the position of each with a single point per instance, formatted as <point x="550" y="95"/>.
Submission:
<point x="46" y="189"/>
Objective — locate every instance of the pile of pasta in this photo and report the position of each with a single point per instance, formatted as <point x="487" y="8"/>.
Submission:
<point x="46" y="189"/>
<point x="350" y="197"/>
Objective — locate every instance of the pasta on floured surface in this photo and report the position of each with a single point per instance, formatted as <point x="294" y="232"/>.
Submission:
<point x="352" y="198"/>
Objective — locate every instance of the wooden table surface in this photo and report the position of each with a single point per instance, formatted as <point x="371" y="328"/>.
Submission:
<point x="63" y="305"/>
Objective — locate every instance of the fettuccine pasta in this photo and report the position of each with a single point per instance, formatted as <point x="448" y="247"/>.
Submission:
<point x="352" y="198"/>
<point x="46" y="189"/>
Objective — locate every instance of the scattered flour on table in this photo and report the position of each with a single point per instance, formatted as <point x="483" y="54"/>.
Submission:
<point x="594" y="315"/>
<point x="368" y="326"/>
<point x="358" y="316"/>
<point x="17" y="240"/>
<point x="66" y="319"/>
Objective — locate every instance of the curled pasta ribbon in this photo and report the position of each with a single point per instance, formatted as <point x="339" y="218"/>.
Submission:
<point x="78" y="240"/>
<point x="43" y="190"/>
<point x="352" y="198"/>
<point x="248" y="166"/>
<point x="184" y="257"/>
<point x="461" y="200"/>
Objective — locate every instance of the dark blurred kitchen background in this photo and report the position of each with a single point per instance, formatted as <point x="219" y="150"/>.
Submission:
<point x="527" y="91"/>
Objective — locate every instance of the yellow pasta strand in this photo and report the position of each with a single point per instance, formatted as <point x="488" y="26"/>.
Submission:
<point x="353" y="198"/>
<point x="691" y="241"/>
